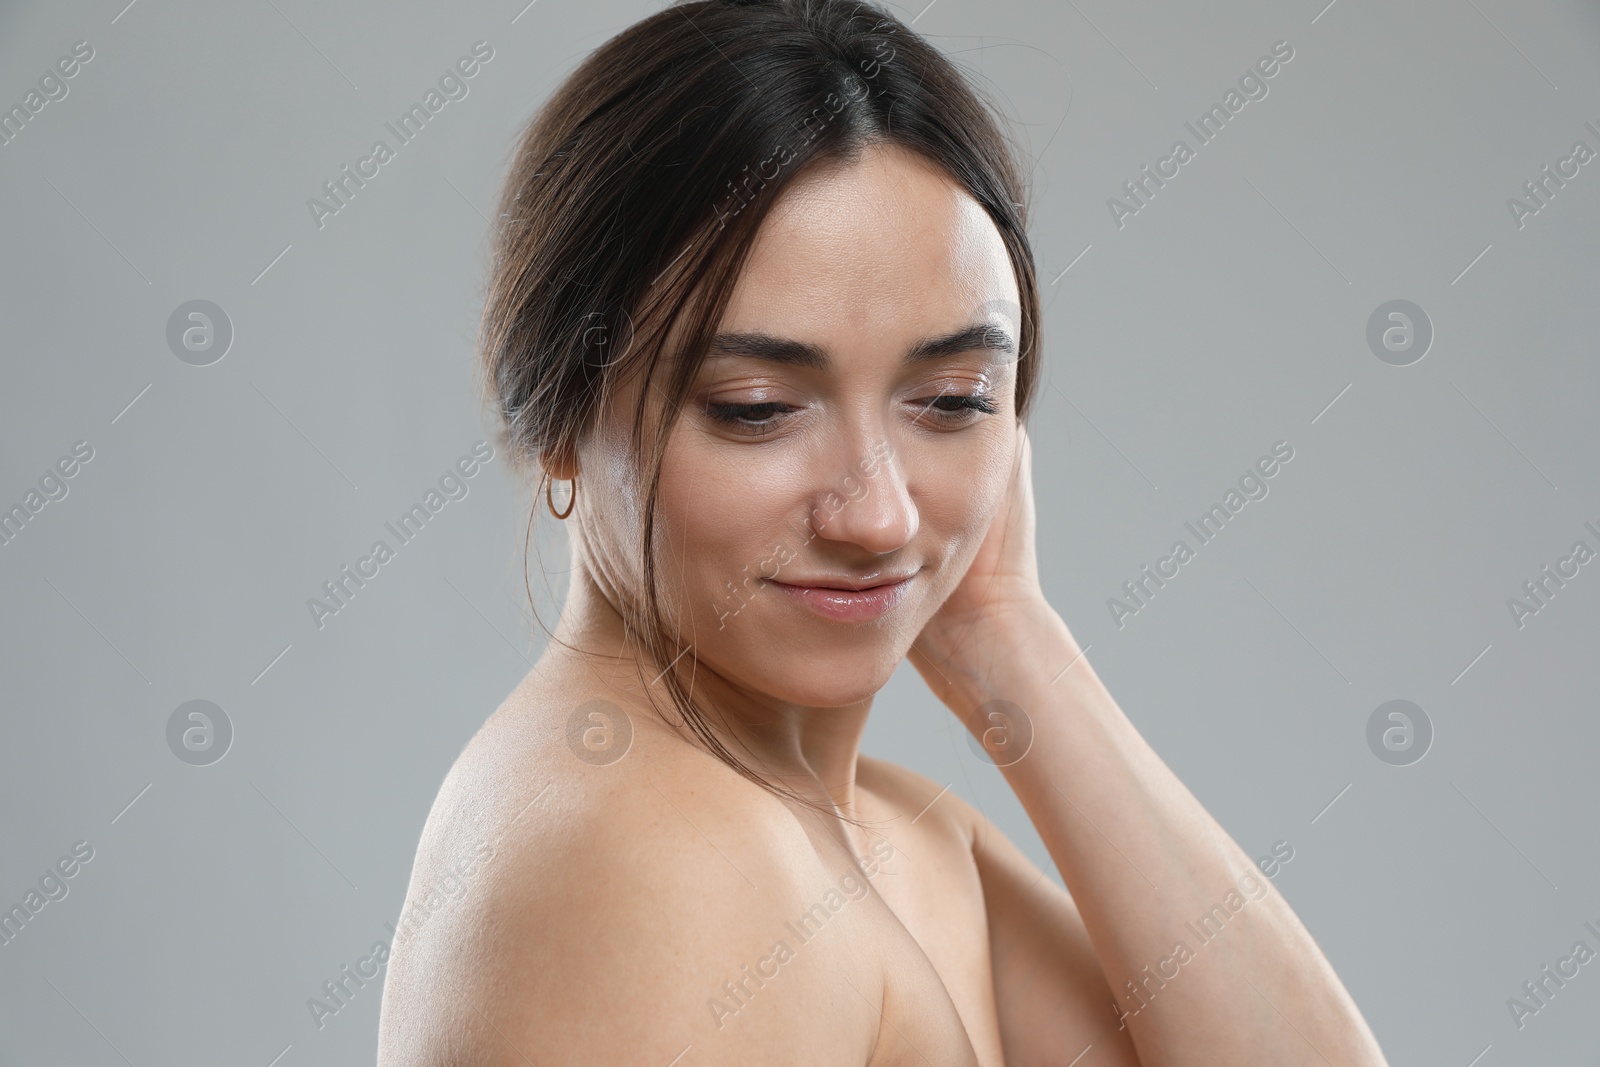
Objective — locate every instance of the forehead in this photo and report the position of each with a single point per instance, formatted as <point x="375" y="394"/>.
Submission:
<point x="885" y="248"/>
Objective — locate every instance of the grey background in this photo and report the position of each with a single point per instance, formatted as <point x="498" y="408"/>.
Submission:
<point x="1228" y="314"/>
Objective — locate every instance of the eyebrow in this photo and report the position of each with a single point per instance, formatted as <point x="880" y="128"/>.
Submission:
<point x="978" y="337"/>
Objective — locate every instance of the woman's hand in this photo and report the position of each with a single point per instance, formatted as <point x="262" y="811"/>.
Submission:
<point x="998" y="599"/>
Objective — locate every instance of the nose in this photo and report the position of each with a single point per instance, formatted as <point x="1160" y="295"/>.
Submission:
<point x="867" y="503"/>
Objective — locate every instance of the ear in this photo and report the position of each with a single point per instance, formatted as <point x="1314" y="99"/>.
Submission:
<point x="560" y="464"/>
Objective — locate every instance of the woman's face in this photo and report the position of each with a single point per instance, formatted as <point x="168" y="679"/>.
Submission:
<point x="820" y="446"/>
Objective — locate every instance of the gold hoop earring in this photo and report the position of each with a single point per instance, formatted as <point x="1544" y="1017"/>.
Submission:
<point x="572" y="501"/>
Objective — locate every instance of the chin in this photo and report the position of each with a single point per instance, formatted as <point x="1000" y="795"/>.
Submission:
<point x="838" y="694"/>
<point x="833" y="674"/>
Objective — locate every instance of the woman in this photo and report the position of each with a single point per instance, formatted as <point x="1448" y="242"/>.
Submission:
<point x="764" y="297"/>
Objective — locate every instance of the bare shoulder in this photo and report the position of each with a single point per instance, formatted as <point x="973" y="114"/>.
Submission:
<point x="571" y="908"/>
<point x="917" y="797"/>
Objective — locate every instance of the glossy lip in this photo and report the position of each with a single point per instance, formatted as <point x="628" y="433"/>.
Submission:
<point x="848" y="605"/>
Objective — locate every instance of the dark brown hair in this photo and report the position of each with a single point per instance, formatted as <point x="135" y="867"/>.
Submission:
<point x="635" y="195"/>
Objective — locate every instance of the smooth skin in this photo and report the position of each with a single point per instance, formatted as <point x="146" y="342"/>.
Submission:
<point x="661" y="909"/>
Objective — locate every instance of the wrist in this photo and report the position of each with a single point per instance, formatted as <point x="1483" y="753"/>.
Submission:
<point x="1012" y="653"/>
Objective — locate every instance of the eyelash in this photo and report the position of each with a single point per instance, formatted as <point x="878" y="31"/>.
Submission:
<point x="757" y="417"/>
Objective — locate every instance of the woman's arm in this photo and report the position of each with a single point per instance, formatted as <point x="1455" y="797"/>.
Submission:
<point x="1051" y="994"/>
<point x="1206" y="959"/>
<point x="1052" y="1005"/>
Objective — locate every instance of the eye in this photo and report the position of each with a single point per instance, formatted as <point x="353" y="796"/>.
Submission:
<point x="952" y="409"/>
<point x="748" y="418"/>
<point x="757" y="419"/>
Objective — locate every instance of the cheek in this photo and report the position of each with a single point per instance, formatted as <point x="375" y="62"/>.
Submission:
<point x="962" y="496"/>
<point x="720" y="524"/>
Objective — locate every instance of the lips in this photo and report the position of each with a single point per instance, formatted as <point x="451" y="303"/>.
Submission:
<point x="849" y="585"/>
<point x="847" y="603"/>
